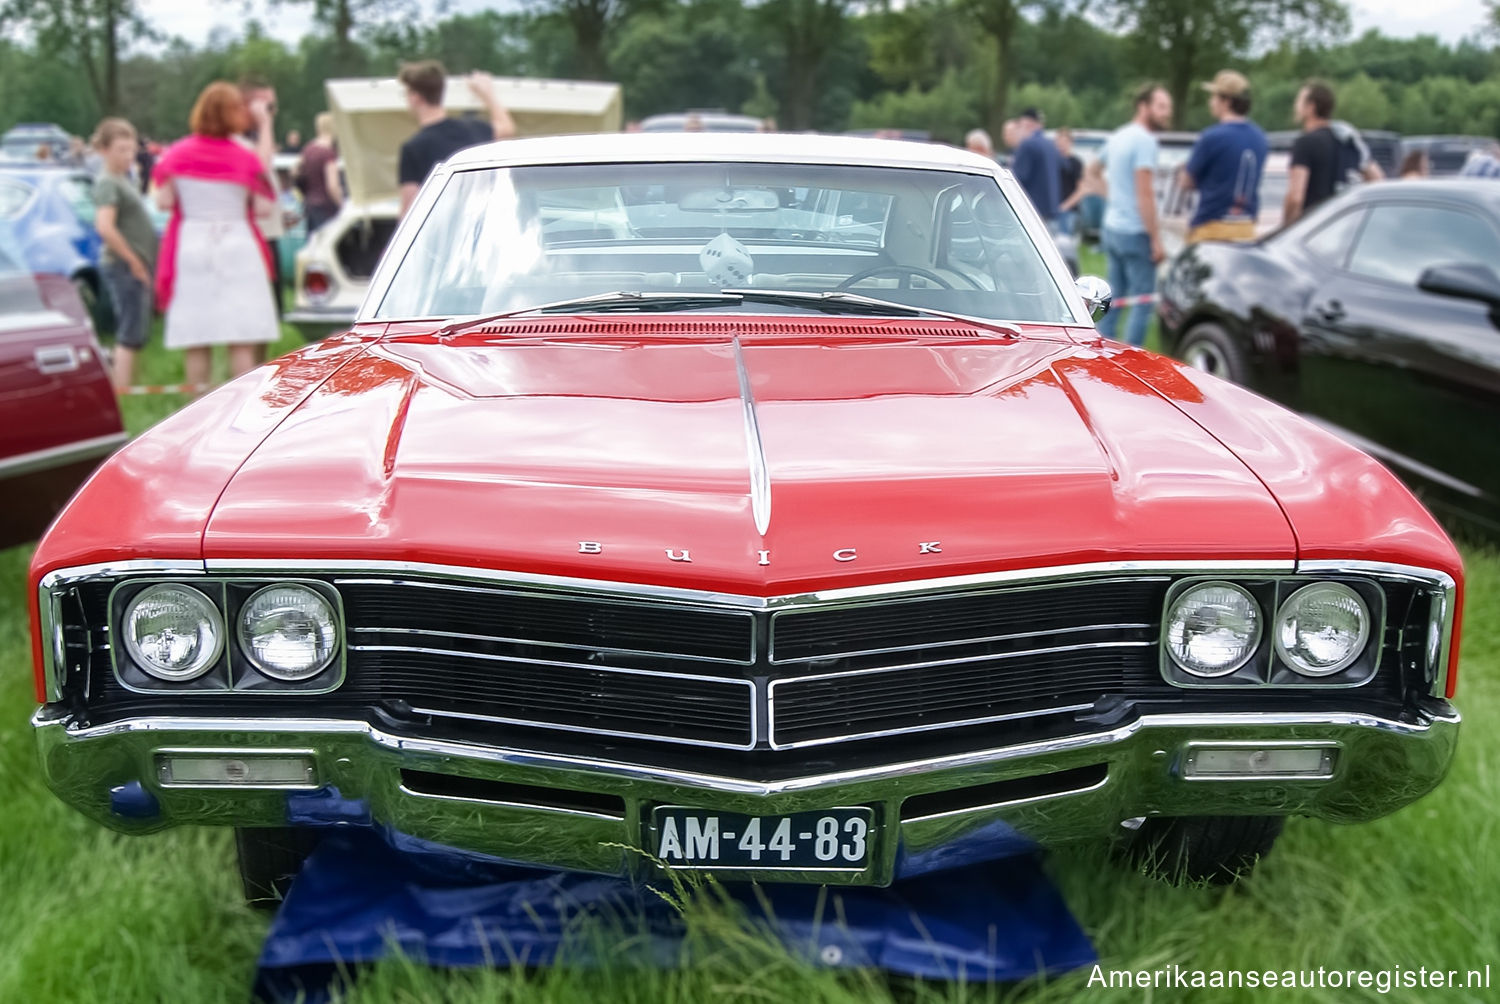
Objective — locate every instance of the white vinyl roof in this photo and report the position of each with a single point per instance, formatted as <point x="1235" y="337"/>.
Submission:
<point x="794" y="148"/>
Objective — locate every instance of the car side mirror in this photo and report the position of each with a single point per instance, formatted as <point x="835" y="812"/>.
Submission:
<point x="1467" y="282"/>
<point x="1096" y="295"/>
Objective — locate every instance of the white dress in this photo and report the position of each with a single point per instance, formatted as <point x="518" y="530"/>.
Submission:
<point x="221" y="293"/>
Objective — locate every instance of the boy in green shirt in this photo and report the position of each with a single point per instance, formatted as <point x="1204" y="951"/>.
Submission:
<point x="129" y="244"/>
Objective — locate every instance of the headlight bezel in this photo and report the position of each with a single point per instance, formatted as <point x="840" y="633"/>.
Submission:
<point x="214" y="618"/>
<point x="1175" y="599"/>
<point x="232" y="671"/>
<point x="1267" y="669"/>
<point x="247" y="650"/>
<point x="1366" y="626"/>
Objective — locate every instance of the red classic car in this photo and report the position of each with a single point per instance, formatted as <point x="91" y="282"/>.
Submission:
<point x="759" y="504"/>
<point x="58" y="415"/>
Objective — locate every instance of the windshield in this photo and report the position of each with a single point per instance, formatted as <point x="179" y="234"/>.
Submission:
<point x="510" y="239"/>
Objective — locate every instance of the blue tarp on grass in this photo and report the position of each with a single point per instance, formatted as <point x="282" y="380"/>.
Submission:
<point x="366" y="894"/>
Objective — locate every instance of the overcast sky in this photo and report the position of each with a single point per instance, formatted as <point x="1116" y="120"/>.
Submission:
<point x="195" y="19"/>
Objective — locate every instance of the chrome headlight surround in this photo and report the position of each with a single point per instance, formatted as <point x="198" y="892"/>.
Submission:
<point x="233" y="670"/>
<point x="1292" y="607"/>
<point x="210" y="621"/>
<point x="1181" y="598"/>
<point x="328" y="625"/>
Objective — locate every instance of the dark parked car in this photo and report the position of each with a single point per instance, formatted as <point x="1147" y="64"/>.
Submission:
<point x="58" y="416"/>
<point x="1377" y="315"/>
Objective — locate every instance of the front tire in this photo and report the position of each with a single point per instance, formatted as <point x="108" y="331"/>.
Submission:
<point x="1217" y="850"/>
<point x="270" y="858"/>
<point x="1210" y="348"/>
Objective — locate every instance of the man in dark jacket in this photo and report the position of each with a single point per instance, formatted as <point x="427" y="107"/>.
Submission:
<point x="1037" y="165"/>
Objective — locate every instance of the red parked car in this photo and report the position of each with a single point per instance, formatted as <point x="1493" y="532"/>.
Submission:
<point x="767" y="504"/>
<point x="58" y="415"/>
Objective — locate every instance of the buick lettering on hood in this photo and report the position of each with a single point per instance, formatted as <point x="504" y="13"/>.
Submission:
<point x="763" y="505"/>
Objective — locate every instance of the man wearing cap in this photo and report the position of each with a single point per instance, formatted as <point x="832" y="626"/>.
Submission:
<point x="1225" y="165"/>
<point x="1037" y="165"/>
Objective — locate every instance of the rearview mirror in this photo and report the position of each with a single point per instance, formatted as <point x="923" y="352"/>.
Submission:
<point x="735" y="200"/>
<point x="1096" y="294"/>
<point x="1467" y="282"/>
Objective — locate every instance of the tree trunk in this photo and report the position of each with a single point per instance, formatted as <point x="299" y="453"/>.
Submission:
<point x="343" y="29"/>
<point x="590" y="21"/>
<point x="1000" y="97"/>
<point x="801" y="88"/>
<point x="111" y="103"/>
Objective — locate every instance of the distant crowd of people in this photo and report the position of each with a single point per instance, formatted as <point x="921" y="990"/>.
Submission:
<point x="1118" y="190"/>
<point x="214" y="273"/>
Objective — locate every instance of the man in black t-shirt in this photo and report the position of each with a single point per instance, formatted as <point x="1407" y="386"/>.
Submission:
<point x="1070" y="173"/>
<point x="440" y="137"/>
<point x="1318" y="162"/>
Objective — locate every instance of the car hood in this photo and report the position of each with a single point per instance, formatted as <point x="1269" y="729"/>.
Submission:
<point x="372" y="120"/>
<point x="622" y="450"/>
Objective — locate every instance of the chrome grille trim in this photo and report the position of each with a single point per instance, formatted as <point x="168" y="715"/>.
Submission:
<point x="502" y="640"/>
<point x="909" y="730"/>
<point x="995" y="656"/>
<point x="892" y="649"/>
<point x="754" y="723"/>
<point x="589" y="666"/>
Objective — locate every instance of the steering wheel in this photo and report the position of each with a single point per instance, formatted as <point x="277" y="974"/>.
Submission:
<point x="905" y="271"/>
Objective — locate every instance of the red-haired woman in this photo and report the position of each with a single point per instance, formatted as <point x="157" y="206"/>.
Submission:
<point x="213" y="280"/>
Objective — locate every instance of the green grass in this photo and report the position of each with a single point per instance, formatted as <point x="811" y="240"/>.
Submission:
<point x="90" y="916"/>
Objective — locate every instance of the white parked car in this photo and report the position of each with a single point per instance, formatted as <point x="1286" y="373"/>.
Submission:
<point x="371" y="121"/>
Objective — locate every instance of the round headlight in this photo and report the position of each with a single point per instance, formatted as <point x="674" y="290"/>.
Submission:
<point x="173" y="632"/>
<point x="1322" y="628"/>
<point x="289" y="632"/>
<point x="1213" y="629"/>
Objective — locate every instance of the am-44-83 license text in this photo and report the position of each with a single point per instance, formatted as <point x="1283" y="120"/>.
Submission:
<point x="832" y="838"/>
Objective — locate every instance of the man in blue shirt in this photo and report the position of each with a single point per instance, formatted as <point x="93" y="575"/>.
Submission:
<point x="1037" y="165"/>
<point x="1225" y="165"/>
<point x="1131" y="234"/>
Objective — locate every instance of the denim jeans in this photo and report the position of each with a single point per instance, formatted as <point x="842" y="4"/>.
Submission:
<point x="1131" y="273"/>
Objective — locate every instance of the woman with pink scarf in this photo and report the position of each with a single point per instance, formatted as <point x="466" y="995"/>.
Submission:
<point x="213" y="280"/>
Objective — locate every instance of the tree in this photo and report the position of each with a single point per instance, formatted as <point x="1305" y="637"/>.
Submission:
<point x="88" y="34"/>
<point x="805" y="33"/>
<point x="1190" y="39"/>
<point x="343" y="17"/>
<point x="592" y="24"/>
<point x="1363" y="101"/>
<point x="1000" y="20"/>
<point x="690" y="55"/>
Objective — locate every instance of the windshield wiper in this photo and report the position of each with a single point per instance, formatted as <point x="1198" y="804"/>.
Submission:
<point x="623" y="299"/>
<point x="836" y="301"/>
<point x="843" y="301"/>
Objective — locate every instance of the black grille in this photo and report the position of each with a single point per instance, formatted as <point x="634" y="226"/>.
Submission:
<point x="904" y="700"/>
<point x="589" y="624"/>
<point x="960" y="619"/>
<point x="683" y="708"/>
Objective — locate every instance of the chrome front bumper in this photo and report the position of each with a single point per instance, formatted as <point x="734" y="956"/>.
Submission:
<point x="1381" y="765"/>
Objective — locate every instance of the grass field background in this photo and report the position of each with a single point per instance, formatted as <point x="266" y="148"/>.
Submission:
<point x="91" y="916"/>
